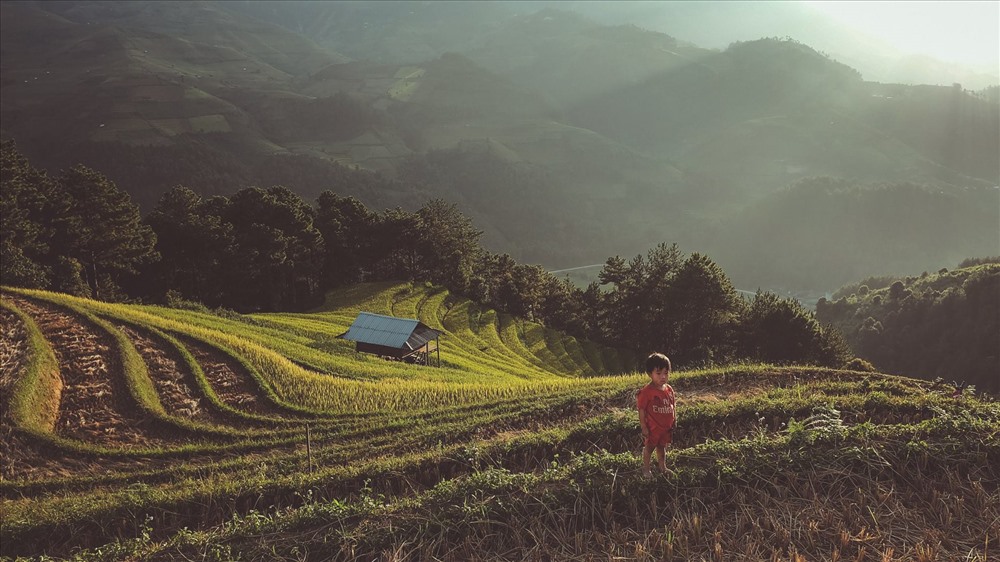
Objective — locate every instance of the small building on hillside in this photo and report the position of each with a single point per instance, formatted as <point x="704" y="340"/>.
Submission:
<point x="402" y="339"/>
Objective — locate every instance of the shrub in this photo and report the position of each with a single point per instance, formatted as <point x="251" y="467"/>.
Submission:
<point x="176" y="300"/>
<point x="859" y="364"/>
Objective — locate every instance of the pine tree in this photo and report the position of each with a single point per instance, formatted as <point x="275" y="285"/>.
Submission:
<point x="278" y="257"/>
<point x="194" y="244"/>
<point x="24" y="234"/>
<point x="100" y="228"/>
<point x="703" y="309"/>
<point x="782" y="331"/>
<point x="448" y="245"/>
<point x="347" y="227"/>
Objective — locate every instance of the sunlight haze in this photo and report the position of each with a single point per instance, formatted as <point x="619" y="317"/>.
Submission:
<point x="963" y="32"/>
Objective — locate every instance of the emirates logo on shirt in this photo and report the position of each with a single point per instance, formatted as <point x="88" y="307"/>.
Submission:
<point x="665" y="407"/>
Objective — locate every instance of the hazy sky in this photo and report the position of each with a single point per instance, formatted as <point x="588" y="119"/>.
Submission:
<point x="957" y="31"/>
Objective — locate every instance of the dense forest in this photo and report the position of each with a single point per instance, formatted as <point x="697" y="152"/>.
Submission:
<point x="209" y="170"/>
<point x="942" y="324"/>
<point x="268" y="249"/>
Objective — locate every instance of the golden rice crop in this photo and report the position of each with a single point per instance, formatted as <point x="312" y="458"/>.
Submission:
<point x="481" y="368"/>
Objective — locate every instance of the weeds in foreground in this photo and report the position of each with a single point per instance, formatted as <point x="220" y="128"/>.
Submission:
<point x="854" y="495"/>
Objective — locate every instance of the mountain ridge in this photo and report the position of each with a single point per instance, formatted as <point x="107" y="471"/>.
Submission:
<point x="699" y="131"/>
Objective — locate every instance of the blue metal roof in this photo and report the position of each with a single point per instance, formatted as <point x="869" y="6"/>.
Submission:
<point x="389" y="331"/>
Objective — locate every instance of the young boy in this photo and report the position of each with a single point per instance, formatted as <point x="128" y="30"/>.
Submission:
<point x="656" y="411"/>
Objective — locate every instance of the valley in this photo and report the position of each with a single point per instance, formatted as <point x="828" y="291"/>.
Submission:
<point x="566" y="140"/>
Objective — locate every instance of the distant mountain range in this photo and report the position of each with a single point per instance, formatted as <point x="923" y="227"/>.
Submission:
<point x="416" y="32"/>
<point x="566" y="140"/>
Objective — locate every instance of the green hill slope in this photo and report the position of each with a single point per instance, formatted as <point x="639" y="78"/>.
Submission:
<point x="940" y="324"/>
<point x="779" y="111"/>
<point x="143" y="432"/>
<point x="829" y="232"/>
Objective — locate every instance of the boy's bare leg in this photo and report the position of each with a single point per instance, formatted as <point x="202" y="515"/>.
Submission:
<point x="661" y="458"/>
<point x="647" y="452"/>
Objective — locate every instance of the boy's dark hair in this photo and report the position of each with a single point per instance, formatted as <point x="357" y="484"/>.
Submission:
<point x="657" y="361"/>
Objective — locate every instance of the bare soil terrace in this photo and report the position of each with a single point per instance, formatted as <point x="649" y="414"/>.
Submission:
<point x="94" y="405"/>
<point x="174" y="382"/>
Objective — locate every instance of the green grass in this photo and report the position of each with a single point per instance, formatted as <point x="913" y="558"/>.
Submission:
<point x="34" y="402"/>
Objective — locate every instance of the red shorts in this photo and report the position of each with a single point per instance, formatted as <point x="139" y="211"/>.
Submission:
<point x="659" y="438"/>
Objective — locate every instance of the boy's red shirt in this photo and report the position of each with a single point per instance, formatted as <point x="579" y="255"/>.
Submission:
<point x="659" y="407"/>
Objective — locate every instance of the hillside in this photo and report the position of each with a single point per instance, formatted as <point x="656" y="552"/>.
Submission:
<point x="408" y="32"/>
<point x="847" y="230"/>
<point x="572" y="59"/>
<point x="149" y="433"/>
<point x="764" y="113"/>
<point x="116" y="59"/>
<point x="938" y="325"/>
<point x="612" y="124"/>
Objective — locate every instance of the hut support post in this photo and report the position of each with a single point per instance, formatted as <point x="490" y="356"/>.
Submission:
<point x="309" y="452"/>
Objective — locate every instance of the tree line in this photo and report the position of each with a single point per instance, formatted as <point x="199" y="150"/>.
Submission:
<point x="267" y="249"/>
<point x="942" y="324"/>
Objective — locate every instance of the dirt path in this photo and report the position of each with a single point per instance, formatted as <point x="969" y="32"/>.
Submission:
<point x="21" y="458"/>
<point x="95" y="406"/>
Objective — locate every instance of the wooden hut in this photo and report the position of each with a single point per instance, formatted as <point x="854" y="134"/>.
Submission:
<point x="402" y="339"/>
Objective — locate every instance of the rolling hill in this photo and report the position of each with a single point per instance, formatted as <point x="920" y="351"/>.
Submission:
<point x="138" y="73"/>
<point x="764" y="113"/>
<point x="597" y="140"/>
<point x="940" y="324"/>
<point x="140" y="432"/>
<point x="414" y="32"/>
<point x="848" y="230"/>
<point x="150" y="433"/>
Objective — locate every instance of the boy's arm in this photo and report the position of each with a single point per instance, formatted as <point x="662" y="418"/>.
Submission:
<point x="642" y="423"/>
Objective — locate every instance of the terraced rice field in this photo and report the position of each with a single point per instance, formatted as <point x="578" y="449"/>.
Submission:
<point x="140" y="432"/>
